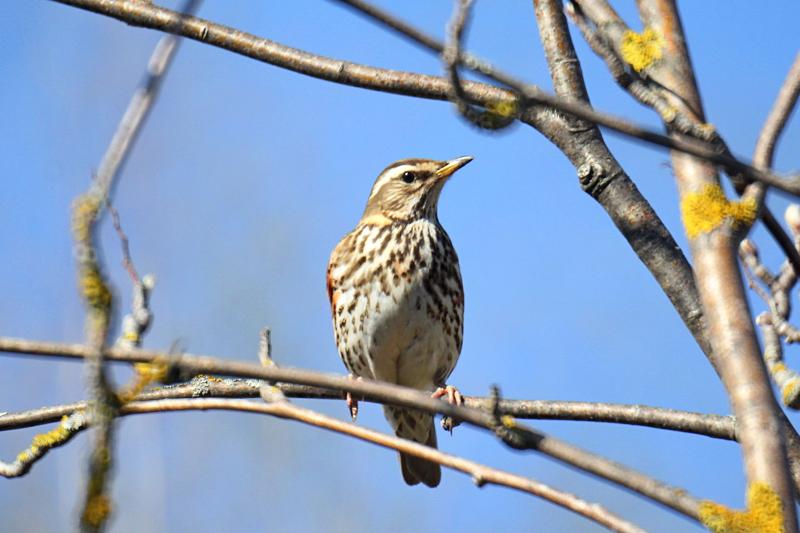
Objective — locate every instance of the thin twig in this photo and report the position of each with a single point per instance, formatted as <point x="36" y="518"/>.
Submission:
<point x="483" y="118"/>
<point x="774" y="324"/>
<point x="87" y="211"/>
<point x="127" y="260"/>
<point x="71" y="424"/>
<point x="416" y="36"/>
<point x="411" y="84"/>
<point x="778" y="116"/>
<point x="136" y="323"/>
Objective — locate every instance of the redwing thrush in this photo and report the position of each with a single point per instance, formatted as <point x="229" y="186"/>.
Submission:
<point x="397" y="299"/>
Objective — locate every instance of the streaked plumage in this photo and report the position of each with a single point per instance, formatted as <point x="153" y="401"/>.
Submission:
<point x="396" y="296"/>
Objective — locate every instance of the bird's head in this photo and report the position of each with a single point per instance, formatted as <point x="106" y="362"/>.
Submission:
<point x="409" y="190"/>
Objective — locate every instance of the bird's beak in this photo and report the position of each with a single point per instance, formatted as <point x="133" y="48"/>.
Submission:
<point x="451" y="166"/>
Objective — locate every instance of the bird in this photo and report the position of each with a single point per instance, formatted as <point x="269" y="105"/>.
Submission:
<point x="397" y="298"/>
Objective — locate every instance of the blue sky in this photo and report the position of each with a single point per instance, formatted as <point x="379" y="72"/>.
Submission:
<point x="243" y="181"/>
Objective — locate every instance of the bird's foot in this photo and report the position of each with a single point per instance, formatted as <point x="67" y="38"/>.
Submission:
<point x="352" y="403"/>
<point x="454" y="397"/>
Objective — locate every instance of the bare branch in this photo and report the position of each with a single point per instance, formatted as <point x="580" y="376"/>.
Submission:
<point x="651" y="94"/>
<point x="410" y="84"/>
<point x="672" y="497"/>
<point x="775" y="292"/>
<point x="485" y="119"/>
<point x="95" y="291"/>
<point x="136" y="323"/>
<point x="416" y="36"/>
<point x="714" y="249"/>
<point x="778" y="116"/>
<point x="715" y="426"/>
<point x="787" y="380"/>
<point x="71" y="424"/>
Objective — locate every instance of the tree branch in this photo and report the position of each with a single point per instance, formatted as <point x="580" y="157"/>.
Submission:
<point x="730" y="325"/>
<point x="715" y="426"/>
<point x="534" y="99"/>
<point x="602" y="177"/>
<point x="777" y="118"/>
<point x="95" y="291"/>
<point x="78" y="421"/>
<point x="521" y="436"/>
<point x="649" y="93"/>
<point x="486" y="119"/>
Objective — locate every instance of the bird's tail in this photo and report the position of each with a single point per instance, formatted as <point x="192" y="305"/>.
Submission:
<point x="419" y="427"/>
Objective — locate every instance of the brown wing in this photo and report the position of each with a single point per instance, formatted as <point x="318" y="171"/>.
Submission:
<point x="331" y="283"/>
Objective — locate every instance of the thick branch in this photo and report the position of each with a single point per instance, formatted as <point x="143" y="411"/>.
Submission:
<point x="649" y="93"/>
<point x="730" y="325"/>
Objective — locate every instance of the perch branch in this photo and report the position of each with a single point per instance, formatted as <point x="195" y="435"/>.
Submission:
<point x="672" y="497"/>
<point x="715" y="426"/>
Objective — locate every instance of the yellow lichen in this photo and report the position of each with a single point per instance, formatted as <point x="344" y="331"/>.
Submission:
<point x="708" y="128"/>
<point x="706" y="210"/>
<point x="52" y="437"/>
<point x="503" y="108"/>
<point x="764" y="513"/>
<point x="97" y="510"/>
<point x="146" y="374"/>
<point x="640" y="50"/>
<point x="790" y="391"/>
<point x="778" y="367"/>
<point x="25" y="456"/>
<point x="508" y="421"/>
<point x="47" y="440"/>
<point x="84" y="211"/>
<point x="669" y="113"/>
<point x="94" y="289"/>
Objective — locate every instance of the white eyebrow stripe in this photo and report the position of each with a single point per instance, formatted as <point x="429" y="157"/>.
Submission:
<point x="388" y="176"/>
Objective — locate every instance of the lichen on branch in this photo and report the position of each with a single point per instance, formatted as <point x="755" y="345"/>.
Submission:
<point x="706" y="210"/>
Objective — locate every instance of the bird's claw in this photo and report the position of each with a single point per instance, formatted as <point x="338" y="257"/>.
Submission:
<point x="352" y="402"/>
<point x="454" y="397"/>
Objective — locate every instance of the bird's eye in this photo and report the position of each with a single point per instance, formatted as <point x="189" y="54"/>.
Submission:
<point x="408" y="176"/>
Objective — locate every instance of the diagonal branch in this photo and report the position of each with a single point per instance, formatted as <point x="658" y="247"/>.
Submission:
<point x="649" y="93"/>
<point x="78" y="421"/>
<point x="714" y="249"/>
<point x="602" y="178"/>
<point x="410" y="84"/>
<point x="481" y="474"/>
<point x="778" y="117"/>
